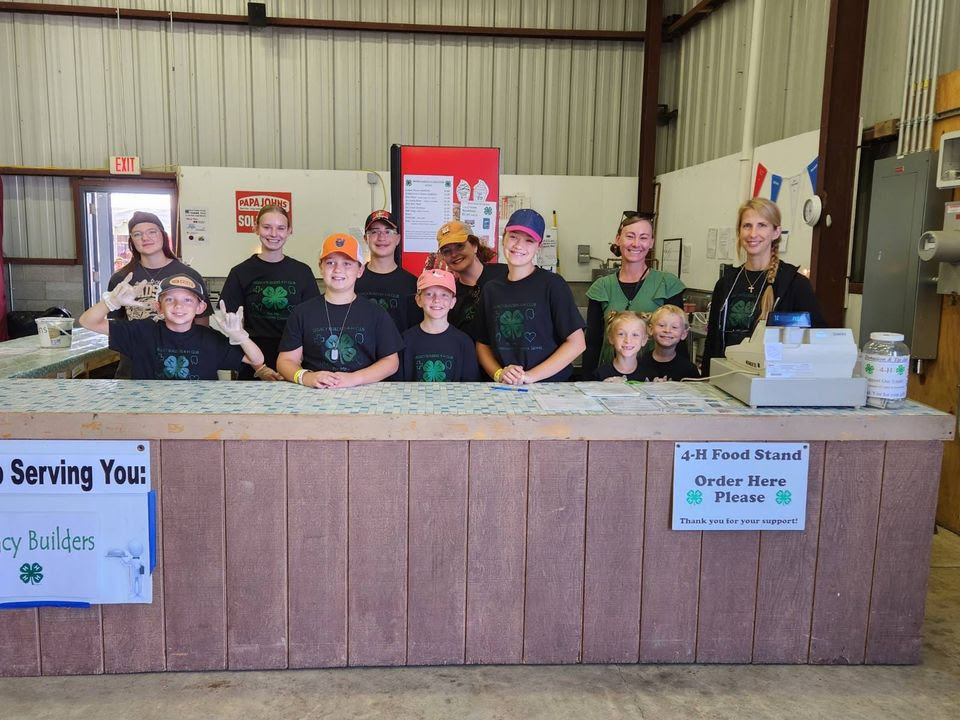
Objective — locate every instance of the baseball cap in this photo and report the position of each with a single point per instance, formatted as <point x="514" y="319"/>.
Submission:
<point x="381" y="215"/>
<point x="184" y="282"/>
<point x="141" y="216"/>
<point x="453" y="232"/>
<point x="437" y="278"/>
<point x="342" y="243"/>
<point x="528" y="221"/>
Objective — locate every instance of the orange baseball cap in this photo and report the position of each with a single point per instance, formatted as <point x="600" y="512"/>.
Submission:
<point x="342" y="243"/>
<point x="437" y="278"/>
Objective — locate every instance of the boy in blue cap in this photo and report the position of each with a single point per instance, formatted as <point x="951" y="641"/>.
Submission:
<point x="528" y="326"/>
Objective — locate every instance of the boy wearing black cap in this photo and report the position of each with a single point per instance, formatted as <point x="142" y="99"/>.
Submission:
<point x="151" y="261"/>
<point x="176" y="348"/>
<point x="383" y="280"/>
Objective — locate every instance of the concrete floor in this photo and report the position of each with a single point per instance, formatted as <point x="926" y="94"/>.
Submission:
<point x="929" y="691"/>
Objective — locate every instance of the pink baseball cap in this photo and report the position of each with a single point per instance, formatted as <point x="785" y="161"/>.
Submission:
<point x="437" y="278"/>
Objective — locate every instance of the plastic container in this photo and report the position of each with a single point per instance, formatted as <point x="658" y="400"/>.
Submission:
<point x="55" y="332"/>
<point x="885" y="363"/>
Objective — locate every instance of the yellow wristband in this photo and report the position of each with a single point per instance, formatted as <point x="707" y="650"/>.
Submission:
<point x="298" y="376"/>
<point x="497" y="375"/>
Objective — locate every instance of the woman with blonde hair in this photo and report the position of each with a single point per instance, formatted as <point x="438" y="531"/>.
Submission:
<point x="762" y="284"/>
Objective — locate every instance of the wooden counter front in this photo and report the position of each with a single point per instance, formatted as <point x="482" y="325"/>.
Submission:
<point x="446" y="525"/>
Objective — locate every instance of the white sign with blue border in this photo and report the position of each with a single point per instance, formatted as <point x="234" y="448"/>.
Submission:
<point x="77" y="523"/>
<point x="740" y="486"/>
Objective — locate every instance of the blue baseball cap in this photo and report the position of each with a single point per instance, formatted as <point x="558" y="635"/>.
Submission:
<point x="528" y="221"/>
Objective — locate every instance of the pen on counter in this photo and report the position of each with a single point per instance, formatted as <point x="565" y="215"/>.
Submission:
<point x="507" y="388"/>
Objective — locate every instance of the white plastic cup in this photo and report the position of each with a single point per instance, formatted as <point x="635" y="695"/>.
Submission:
<point x="55" y="332"/>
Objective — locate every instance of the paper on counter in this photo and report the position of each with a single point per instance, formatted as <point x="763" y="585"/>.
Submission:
<point x="567" y="403"/>
<point x="630" y="405"/>
<point x="606" y="389"/>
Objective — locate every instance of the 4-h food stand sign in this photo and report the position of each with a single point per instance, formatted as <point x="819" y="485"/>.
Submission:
<point x="77" y="523"/>
<point x="740" y="486"/>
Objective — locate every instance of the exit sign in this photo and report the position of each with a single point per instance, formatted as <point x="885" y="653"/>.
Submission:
<point x="124" y="165"/>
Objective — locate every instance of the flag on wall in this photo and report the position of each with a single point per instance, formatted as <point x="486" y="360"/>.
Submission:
<point x="759" y="178"/>
<point x="3" y="287"/>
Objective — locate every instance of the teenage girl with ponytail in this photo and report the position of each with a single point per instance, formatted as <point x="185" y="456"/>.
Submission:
<point x="763" y="283"/>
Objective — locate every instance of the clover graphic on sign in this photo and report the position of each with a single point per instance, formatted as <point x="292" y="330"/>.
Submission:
<point x="784" y="497"/>
<point x="176" y="366"/>
<point x="901" y="369"/>
<point x="511" y="324"/>
<point x="694" y="497"/>
<point x="275" y="298"/>
<point x="434" y="371"/>
<point x="868" y="369"/>
<point x="31" y="573"/>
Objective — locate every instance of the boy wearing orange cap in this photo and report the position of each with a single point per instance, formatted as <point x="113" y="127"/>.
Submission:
<point x="434" y="350"/>
<point x="339" y="339"/>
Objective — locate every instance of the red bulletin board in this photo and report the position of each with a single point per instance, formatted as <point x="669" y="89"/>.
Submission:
<point x="467" y="165"/>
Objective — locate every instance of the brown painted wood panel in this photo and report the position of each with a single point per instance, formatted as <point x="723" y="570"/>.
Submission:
<point x="907" y="504"/>
<point x="848" y="535"/>
<point x="71" y="641"/>
<point x="496" y="550"/>
<point x="728" y="596"/>
<point x="556" y="516"/>
<point x="256" y="554"/>
<point x="613" y="563"/>
<point x="193" y="554"/>
<point x="20" y="649"/>
<point x="317" y="551"/>
<point x="438" y="552"/>
<point x="133" y="637"/>
<point x="671" y="570"/>
<point x="788" y="563"/>
<point x="377" y="553"/>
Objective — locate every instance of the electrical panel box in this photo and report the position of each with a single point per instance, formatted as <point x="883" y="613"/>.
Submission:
<point x="900" y="289"/>
<point x="948" y="167"/>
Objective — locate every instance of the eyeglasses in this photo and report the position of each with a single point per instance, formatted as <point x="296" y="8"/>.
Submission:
<point x="384" y="232"/>
<point x="137" y="235"/>
<point x="637" y="214"/>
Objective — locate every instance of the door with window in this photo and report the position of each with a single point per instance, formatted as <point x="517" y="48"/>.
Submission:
<point x="104" y="207"/>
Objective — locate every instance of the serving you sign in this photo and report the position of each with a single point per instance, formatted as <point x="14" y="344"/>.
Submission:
<point x="740" y="486"/>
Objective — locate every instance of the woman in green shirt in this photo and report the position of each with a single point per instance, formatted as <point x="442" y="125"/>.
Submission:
<point x="636" y="286"/>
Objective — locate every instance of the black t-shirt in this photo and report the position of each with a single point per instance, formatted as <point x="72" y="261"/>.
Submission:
<point x="368" y="334"/>
<point x="608" y="371"/>
<point x="526" y="320"/>
<point x="679" y="368"/>
<point x="450" y="356"/>
<point x="743" y="307"/>
<point x="149" y="294"/>
<point x="268" y="292"/>
<point x="158" y="353"/>
<point x="463" y="314"/>
<point x="394" y="292"/>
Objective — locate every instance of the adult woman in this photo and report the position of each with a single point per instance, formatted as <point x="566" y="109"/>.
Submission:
<point x="463" y="255"/>
<point x="268" y="285"/>
<point x="744" y="294"/>
<point x="636" y="286"/>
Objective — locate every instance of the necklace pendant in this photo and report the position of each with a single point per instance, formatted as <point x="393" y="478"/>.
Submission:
<point x="335" y="354"/>
<point x="750" y="288"/>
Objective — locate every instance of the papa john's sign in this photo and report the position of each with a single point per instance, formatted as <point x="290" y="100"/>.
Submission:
<point x="249" y="203"/>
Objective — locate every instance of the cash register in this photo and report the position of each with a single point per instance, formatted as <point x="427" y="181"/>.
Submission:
<point x="793" y="366"/>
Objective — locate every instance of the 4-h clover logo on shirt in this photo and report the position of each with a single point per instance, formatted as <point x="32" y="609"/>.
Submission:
<point x="275" y="298"/>
<point x="176" y="367"/>
<point x="344" y="346"/>
<point x="511" y="324"/>
<point x="31" y="573"/>
<point x="434" y="371"/>
<point x="740" y="314"/>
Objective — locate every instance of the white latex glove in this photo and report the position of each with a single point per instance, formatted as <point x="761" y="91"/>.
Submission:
<point x="231" y="324"/>
<point x="124" y="294"/>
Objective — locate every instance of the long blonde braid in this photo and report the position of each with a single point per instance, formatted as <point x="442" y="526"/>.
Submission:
<point x="767" y="299"/>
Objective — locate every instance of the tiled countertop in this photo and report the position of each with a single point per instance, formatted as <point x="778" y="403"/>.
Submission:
<point x="24" y="358"/>
<point x="255" y="410"/>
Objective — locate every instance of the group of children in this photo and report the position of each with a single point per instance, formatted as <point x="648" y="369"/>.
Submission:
<point x="374" y="321"/>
